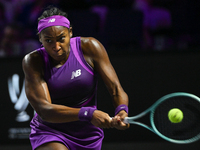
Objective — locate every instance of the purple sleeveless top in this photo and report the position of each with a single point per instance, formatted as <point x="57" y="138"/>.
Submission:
<point x="74" y="84"/>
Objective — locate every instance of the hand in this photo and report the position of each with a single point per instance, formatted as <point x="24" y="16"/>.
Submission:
<point x="117" y="121"/>
<point x="101" y="119"/>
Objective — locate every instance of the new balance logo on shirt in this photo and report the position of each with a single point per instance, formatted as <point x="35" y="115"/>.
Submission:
<point x="76" y="73"/>
<point x="52" y="20"/>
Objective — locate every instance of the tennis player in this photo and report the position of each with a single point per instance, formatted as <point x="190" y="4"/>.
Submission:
<point x="61" y="85"/>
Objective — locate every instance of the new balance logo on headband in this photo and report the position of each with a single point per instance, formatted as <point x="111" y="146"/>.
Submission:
<point x="52" y="20"/>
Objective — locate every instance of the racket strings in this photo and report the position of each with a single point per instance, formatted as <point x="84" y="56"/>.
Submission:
<point x="190" y="125"/>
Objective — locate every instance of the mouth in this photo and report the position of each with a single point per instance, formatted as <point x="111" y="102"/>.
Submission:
<point x="58" y="53"/>
<point x="57" y="50"/>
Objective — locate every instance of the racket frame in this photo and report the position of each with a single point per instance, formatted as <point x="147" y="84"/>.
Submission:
<point x="152" y="109"/>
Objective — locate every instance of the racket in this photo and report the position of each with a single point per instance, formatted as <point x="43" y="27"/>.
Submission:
<point x="187" y="131"/>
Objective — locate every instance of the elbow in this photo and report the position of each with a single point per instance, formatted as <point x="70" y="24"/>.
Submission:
<point x="126" y="98"/>
<point x="44" y="112"/>
<point x="45" y="115"/>
<point x="119" y="93"/>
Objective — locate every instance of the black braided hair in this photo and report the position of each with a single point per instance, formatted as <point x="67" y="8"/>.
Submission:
<point x="51" y="11"/>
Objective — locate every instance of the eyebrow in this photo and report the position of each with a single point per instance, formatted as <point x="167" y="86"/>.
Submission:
<point x="46" y="36"/>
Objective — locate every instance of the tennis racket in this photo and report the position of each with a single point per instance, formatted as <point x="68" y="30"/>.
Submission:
<point x="187" y="131"/>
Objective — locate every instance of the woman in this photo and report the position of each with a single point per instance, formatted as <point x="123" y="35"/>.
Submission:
<point x="61" y="85"/>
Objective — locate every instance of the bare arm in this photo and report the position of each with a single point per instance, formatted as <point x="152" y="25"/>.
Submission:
<point x="38" y="94"/>
<point x="97" y="57"/>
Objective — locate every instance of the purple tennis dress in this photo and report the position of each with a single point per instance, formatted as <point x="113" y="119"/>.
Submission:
<point x="75" y="85"/>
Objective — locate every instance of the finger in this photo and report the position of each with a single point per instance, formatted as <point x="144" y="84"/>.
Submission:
<point x="118" y="120"/>
<point x="115" y="121"/>
<point x="112" y="122"/>
<point x="107" y="122"/>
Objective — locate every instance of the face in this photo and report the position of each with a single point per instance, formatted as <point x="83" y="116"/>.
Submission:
<point x="56" y="41"/>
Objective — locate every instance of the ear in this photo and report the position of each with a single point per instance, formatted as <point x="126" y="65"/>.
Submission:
<point x="40" y="38"/>
<point x="70" y="32"/>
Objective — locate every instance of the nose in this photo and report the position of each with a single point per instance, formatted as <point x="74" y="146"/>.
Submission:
<point x="56" y="46"/>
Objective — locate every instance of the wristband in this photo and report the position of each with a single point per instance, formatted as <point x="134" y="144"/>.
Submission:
<point x="86" y="113"/>
<point x="121" y="107"/>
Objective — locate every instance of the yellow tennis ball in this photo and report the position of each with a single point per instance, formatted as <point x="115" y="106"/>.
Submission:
<point x="175" y="115"/>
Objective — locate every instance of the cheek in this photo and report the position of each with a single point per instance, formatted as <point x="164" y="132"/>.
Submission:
<point x="47" y="46"/>
<point x="67" y="42"/>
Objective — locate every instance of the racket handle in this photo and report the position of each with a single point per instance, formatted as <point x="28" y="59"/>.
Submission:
<point x="126" y="120"/>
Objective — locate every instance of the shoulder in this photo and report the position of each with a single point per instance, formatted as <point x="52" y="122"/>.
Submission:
<point x="95" y="53"/>
<point x="32" y="62"/>
<point x="31" y="57"/>
<point x="91" y="46"/>
<point x="90" y="42"/>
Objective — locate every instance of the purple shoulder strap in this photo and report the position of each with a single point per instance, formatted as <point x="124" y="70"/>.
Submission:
<point x="75" y="44"/>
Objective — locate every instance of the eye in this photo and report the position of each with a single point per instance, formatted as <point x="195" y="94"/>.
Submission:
<point x="62" y="38"/>
<point x="48" y="40"/>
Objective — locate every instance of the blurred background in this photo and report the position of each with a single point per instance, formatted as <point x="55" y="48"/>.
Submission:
<point x="154" y="46"/>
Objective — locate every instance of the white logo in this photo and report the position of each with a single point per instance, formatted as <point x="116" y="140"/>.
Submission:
<point x="76" y="73"/>
<point x="52" y="20"/>
<point x="20" y="100"/>
<point x="85" y="113"/>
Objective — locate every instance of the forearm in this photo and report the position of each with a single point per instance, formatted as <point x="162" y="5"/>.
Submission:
<point x="58" y="113"/>
<point x="39" y="98"/>
<point x="120" y="101"/>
